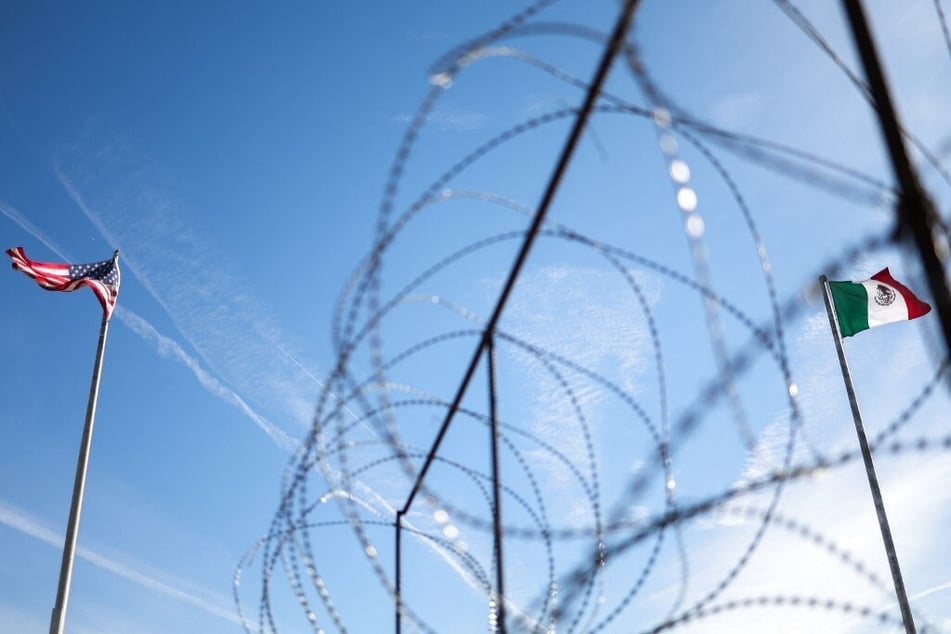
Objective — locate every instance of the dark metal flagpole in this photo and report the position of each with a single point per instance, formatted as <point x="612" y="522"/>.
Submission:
<point x="591" y="96"/>
<point x="499" y="615"/>
<point x="869" y="466"/>
<point x="58" y="619"/>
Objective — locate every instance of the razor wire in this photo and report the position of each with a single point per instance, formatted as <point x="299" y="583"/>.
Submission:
<point x="578" y="511"/>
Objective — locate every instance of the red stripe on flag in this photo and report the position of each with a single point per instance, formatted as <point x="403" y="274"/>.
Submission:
<point x="916" y="307"/>
<point x="56" y="277"/>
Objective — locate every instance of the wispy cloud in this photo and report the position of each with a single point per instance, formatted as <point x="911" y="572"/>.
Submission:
<point x="214" y="312"/>
<point x="451" y="119"/>
<point x="162" y="583"/>
<point x="18" y="621"/>
<point x="571" y="311"/>
<point x="164" y="345"/>
<point x="731" y="111"/>
<point x="836" y="503"/>
<point x="17" y="217"/>
<point x="169" y="348"/>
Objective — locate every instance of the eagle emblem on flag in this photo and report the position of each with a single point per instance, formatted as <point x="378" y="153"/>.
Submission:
<point x="884" y="296"/>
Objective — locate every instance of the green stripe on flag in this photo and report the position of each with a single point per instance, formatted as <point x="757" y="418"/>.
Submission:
<point x="851" y="307"/>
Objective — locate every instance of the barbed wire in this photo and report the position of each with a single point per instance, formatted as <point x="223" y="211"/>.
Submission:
<point x="605" y="534"/>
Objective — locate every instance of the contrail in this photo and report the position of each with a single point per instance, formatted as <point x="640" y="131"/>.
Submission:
<point x="324" y="387"/>
<point x="163" y="344"/>
<point x="18" y="218"/>
<point x="169" y="347"/>
<point x="23" y="523"/>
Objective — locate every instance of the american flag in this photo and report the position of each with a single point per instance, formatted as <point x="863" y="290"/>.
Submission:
<point x="101" y="277"/>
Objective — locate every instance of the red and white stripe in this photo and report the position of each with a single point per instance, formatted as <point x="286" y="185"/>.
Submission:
<point x="55" y="277"/>
<point x="905" y="306"/>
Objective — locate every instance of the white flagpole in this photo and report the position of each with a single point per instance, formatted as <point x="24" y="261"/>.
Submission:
<point x="58" y="618"/>
<point x="905" y="608"/>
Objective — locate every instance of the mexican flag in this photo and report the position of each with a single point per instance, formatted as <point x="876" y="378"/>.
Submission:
<point x="876" y="301"/>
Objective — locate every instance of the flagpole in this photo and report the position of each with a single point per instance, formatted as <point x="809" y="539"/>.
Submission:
<point x="58" y="619"/>
<point x="499" y="615"/>
<point x="906" y="616"/>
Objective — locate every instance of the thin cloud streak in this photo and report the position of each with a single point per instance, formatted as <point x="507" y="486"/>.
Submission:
<point x="451" y="120"/>
<point x="213" y="313"/>
<point x="164" y="345"/>
<point x="31" y="527"/>
<point x="938" y="588"/>
<point x="169" y="348"/>
<point x="18" y="218"/>
<point x="322" y="386"/>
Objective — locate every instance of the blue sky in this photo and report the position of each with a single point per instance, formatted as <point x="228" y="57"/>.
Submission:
<point x="238" y="156"/>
